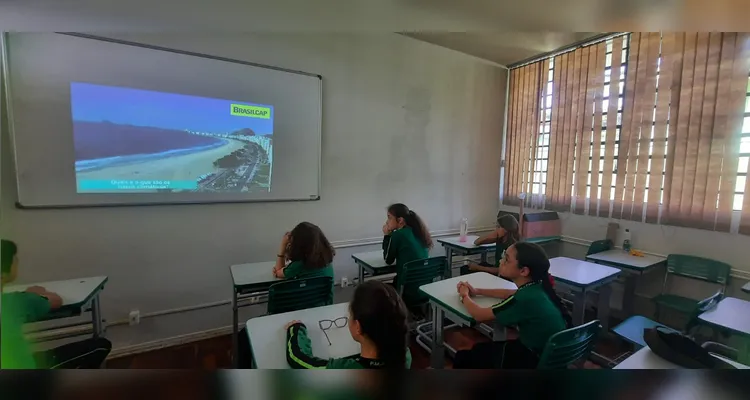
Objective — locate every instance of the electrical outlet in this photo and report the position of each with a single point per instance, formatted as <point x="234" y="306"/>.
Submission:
<point x="135" y="317"/>
<point x="344" y="282"/>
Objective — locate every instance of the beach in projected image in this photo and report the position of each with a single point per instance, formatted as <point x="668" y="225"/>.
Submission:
<point x="140" y="141"/>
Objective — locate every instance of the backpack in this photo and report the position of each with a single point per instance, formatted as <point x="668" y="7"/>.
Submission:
<point x="681" y="350"/>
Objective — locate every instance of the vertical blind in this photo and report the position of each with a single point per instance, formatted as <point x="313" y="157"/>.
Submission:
<point x="645" y="127"/>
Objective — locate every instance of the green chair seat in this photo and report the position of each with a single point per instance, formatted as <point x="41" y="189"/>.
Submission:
<point x="682" y="304"/>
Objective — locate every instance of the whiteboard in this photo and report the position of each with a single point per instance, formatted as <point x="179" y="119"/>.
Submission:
<point x="51" y="77"/>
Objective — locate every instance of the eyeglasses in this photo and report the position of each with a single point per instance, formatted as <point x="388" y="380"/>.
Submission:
<point x="327" y="324"/>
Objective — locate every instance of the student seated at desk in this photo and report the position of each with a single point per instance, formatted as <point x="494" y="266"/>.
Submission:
<point x="32" y="305"/>
<point x="309" y="252"/>
<point x="505" y="235"/>
<point x="534" y="308"/>
<point x="377" y="321"/>
<point x="406" y="237"/>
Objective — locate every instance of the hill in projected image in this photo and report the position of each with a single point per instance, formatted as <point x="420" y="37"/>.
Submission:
<point x="132" y="140"/>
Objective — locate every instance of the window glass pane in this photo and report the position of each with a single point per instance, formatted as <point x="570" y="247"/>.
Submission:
<point x="742" y="167"/>
<point x="739" y="186"/>
<point x="622" y="87"/>
<point x="607" y="75"/>
<point x="546" y="127"/>
<point x="546" y="140"/>
<point x="548" y="114"/>
<point x="549" y="102"/>
<point x="745" y="145"/>
<point x="604" y="120"/>
<point x="738" y="202"/>
<point x="747" y="104"/>
<point x="619" y="104"/>
<point x="619" y="118"/>
<point x="544" y="166"/>
<point x="606" y="91"/>
<point x="535" y="188"/>
<point x="748" y="84"/>
<point x="604" y="135"/>
<point x="599" y="192"/>
<point x="624" y="58"/>
<point x="551" y="62"/>
<point x="544" y="177"/>
<point x="588" y="192"/>
<point x="746" y="125"/>
<point x="537" y="175"/>
<point x="605" y="104"/>
<point x="549" y="88"/>
<point x="617" y="134"/>
<point x="608" y="60"/>
<point x="551" y="75"/>
<point x="609" y="46"/>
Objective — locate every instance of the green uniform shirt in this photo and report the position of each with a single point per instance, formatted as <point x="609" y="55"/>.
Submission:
<point x="533" y="312"/>
<point x="401" y="247"/>
<point x="19" y="308"/>
<point x="299" y="354"/>
<point x="297" y="270"/>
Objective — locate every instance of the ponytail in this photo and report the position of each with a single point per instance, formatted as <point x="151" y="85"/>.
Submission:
<point x="382" y="317"/>
<point x="533" y="257"/>
<point x="413" y="221"/>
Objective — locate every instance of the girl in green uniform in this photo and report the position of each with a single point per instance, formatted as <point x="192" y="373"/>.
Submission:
<point x="406" y="237"/>
<point x="309" y="253"/>
<point x="505" y="235"/>
<point x="534" y="308"/>
<point x="377" y="321"/>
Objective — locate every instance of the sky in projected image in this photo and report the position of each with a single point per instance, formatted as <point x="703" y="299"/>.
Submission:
<point x="95" y="103"/>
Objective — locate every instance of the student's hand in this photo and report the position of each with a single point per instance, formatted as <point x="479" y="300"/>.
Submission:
<point x="284" y="242"/>
<point x="386" y="231"/>
<point x="463" y="290"/>
<point x="291" y="323"/>
<point x="278" y="273"/>
<point x="466" y="285"/>
<point x="36" y="290"/>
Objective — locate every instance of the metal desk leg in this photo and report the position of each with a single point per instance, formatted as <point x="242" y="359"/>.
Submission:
<point x="628" y="297"/>
<point x="96" y="317"/>
<point x="605" y="293"/>
<point x="438" y="350"/>
<point x="361" y="275"/>
<point x="449" y="258"/>
<point x="484" y="257"/>
<point x="235" y="317"/>
<point x="579" y="307"/>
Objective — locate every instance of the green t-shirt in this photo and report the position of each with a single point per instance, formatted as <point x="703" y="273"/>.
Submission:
<point x="401" y="247"/>
<point x="299" y="354"/>
<point x="297" y="270"/>
<point x="532" y="311"/>
<point x="19" y="308"/>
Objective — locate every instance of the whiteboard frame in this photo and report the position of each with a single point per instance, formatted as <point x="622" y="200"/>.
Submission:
<point x="5" y="67"/>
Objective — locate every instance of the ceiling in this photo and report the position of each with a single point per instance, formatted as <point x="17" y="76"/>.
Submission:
<point x="503" y="48"/>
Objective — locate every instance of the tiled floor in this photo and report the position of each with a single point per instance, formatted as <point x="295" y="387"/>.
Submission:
<point x="215" y="353"/>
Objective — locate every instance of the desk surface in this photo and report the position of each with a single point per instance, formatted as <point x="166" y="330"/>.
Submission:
<point x="731" y="313"/>
<point x="623" y="259"/>
<point x="580" y="273"/>
<point x="467" y="245"/>
<point x="444" y="292"/>
<point x="372" y="259"/>
<point x="268" y="338"/>
<point x="253" y="274"/>
<point x="647" y="359"/>
<point x="74" y="292"/>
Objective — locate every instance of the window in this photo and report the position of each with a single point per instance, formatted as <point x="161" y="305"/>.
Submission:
<point x="739" y="190"/>
<point x="539" y="179"/>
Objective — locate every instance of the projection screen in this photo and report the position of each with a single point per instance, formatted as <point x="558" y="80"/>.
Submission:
<point x="97" y="122"/>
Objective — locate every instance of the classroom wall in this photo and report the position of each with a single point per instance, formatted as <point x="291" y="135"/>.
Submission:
<point x="403" y="121"/>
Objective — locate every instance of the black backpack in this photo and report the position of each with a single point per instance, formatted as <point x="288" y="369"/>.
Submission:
<point x="681" y="350"/>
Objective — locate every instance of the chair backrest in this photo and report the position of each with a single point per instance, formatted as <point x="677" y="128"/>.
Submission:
<point x="599" y="246"/>
<point x="417" y="273"/>
<point x="704" y="269"/>
<point x="299" y="294"/>
<point x="569" y="346"/>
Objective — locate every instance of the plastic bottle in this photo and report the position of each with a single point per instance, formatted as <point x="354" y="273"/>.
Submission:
<point x="626" y="242"/>
<point x="464" y="230"/>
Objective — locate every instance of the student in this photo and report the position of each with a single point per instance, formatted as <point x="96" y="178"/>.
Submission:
<point x="534" y="308"/>
<point x="406" y="237"/>
<point x="377" y="321"/>
<point x="505" y="235"/>
<point x="32" y="305"/>
<point x="309" y="252"/>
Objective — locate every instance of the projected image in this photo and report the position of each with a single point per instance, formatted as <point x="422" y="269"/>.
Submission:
<point x="132" y="140"/>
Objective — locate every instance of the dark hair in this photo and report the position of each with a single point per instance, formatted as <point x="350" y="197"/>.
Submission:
<point x="412" y="220"/>
<point x="382" y="317"/>
<point x="510" y="224"/>
<point x="533" y="257"/>
<point x="8" y="250"/>
<point x="308" y="244"/>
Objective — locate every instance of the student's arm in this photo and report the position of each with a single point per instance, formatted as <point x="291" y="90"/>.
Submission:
<point x="281" y="255"/>
<point x="496" y="293"/>
<point x="54" y="299"/>
<point x="291" y="271"/>
<point x="299" y="350"/>
<point x="389" y="248"/>
<point x="482" y="268"/>
<point x="490" y="237"/>
<point x="480" y="314"/>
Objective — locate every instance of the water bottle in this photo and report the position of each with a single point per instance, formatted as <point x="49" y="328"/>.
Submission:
<point x="464" y="230"/>
<point x="626" y="242"/>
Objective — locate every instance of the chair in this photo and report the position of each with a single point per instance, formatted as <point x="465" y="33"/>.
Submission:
<point x="566" y="347"/>
<point x="415" y="274"/>
<point x="299" y="294"/>
<point x="703" y="269"/>
<point x="599" y="246"/>
<point x="631" y="330"/>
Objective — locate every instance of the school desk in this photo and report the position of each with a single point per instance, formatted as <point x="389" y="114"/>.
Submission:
<point x="446" y="303"/>
<point x="582" y="277"/>
<point x="647" y="359"/>
<point x="732" y="315"/>
<point x="78" y="295"/>
<point x="248" y="280"/>
<point x="632" y="266"/>
<point x="268" y="338"/>
<point x="373" y="263"/>
<point x="453" y="246"/>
